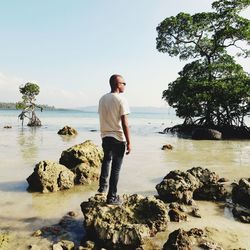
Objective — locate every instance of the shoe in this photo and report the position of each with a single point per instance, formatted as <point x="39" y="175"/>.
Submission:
<point x="102" y="190"/>
<point x="116" y="201"/>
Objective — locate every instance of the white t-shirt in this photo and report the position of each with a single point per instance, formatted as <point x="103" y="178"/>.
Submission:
<point x="111" y="107"/>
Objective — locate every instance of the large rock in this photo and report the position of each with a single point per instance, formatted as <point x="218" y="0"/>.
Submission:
<point x="66" y="130"/>
<point x="125" y="226"/>
<point x="197" y="183"/>
<point x="84" y="160"/>
<point x="241" y="196"/>
<point x="49" y="176"/>
<point x="206" y="134"/>
<point x="186" y="240"/>
<point x="85" y="152"/>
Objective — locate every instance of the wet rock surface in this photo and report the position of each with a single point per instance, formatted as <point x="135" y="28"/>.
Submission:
<point x="125" y="226"/>
<point x="49" y="176"/>
<point x="67" y="130"/>
<point x="186" y="240"/>
<point x="241" y="200"/>
<point x="195" y="183"/>
<point x="241" y="192"/>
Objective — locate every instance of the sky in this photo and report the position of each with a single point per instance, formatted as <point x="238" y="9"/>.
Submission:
<point x="70" y="48"/>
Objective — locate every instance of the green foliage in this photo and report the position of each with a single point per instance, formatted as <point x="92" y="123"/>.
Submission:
<point x="29" y="91"/>
<point x="213" y="88"/>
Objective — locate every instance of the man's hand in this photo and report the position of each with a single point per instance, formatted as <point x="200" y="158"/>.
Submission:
<point x="128" y="149"/>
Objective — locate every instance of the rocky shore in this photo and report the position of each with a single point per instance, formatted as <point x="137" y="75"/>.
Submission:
<point x="137" y="223"/>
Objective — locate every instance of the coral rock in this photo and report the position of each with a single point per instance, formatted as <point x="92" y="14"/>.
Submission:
<point x="49" y="176"/>
<point x="125" y="226"/>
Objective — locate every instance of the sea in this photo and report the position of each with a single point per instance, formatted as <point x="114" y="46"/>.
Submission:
<point x="22" y="147"/>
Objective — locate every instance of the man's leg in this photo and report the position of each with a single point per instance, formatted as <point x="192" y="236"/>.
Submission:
<point x="118" y="150"/>
<point x="107" y="149"/>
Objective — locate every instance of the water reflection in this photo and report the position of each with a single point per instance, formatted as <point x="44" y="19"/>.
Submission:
<point x="28" y="140"/>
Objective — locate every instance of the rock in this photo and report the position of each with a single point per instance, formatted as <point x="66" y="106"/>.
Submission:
<point x="197" y="183"/>
<point x="49" y="176"/>
<point x="223" y="179"/>
<point x="176" y="215"/>
<point x="72" y="213"/>
<point x="187" y="240"/>
<point x="86" y="152"/>
<point x="196" y="212"/>
<point x="241" y="193"/>
<point x="125" y="226"/>
<point x="84" y="160"/>
<point x="7" y="126"/>
<point x="66" y="130"/>
<point x="206" y="134"/>
<point x="64" y="245"/>
<point x="242" y="213"/>
<point x="37" y="233"/>
<point x="167" y="146"/>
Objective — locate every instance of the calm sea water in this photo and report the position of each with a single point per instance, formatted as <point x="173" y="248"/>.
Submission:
<point x="21" y="148"/>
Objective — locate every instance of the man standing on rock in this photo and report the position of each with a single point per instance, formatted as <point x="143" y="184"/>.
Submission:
<point x="113" y="110"/>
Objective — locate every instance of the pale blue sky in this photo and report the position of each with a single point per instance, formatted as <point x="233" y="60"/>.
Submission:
<point x="71" y="47"/>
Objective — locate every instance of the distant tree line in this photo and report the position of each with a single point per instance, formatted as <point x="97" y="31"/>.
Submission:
<point x="12" y="105"/>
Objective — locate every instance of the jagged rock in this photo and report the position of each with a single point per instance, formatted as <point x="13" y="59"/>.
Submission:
<point x="241" y="193"/>
<point x="176" y="215"/>
<point x="49" y="176"/>
<point x="64" y="245"/>
<point x="84" y="160"/>
<point x="66" y="130"/>
<point x="187" y="240"/>
<point x="125" y="226"/>
<point x="242" y="213"/>
<point x="196" y="212"/>
<point x="206" y="134"/>
<point x="167" y="146"/>
<point x="197" y="183"/>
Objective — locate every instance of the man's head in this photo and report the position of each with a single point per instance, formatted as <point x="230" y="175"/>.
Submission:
<point x="117" y="83"/>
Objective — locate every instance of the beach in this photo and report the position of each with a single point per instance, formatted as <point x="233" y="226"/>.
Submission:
<point x="21" y="148"/>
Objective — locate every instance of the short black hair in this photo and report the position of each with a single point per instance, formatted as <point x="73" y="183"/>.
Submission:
<point x="112" y="81"/>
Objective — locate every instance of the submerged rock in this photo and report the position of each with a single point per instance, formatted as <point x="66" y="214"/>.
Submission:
<point x="84" y="160"/>
<point x="197" y="183"/>
<point x="125" y="226"/>
<point x="186" y="240"/>
<point x="66" y="130"/>
<point x="49" y="176"/>
<point x="167" y="146"/>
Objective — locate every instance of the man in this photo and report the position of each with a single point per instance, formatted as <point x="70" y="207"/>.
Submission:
<point x="113" y="110"/>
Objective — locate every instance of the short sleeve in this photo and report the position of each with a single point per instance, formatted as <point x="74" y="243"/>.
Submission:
<point x="124" y="107"/>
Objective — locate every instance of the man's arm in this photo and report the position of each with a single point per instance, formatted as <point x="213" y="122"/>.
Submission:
<point x="126" y="131"/>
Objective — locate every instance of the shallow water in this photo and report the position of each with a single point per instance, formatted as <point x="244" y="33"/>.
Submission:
<point x="21" y="148"/>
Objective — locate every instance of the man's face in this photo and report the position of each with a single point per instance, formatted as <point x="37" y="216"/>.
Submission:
<point x="120" y="84"/>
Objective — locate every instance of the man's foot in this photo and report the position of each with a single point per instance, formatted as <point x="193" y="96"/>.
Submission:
<point x="102" y="190"/>
<point x="116" y="201"/>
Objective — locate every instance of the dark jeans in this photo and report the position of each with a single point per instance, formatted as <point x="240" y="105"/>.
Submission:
<point x="113" y="151"/>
